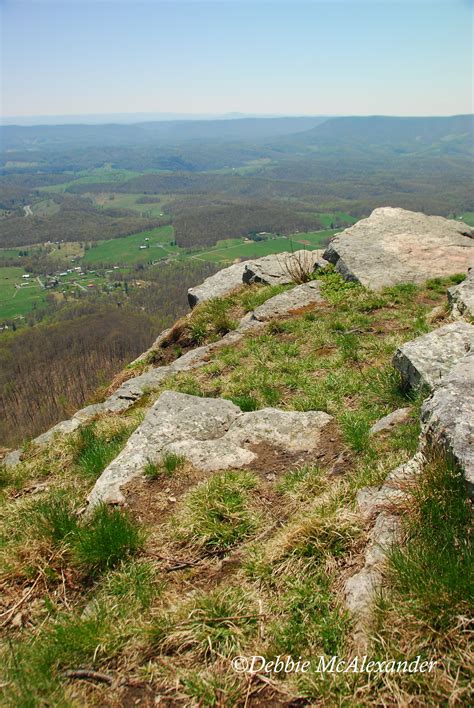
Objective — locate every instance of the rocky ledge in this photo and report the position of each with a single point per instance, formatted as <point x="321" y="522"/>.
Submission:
<point x="398" y="246"/>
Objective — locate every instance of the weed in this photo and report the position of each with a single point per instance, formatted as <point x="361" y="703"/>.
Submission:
<point x="246" y="402"/>
<point x="355" y="427"/>
<point x="151" y="470"/>
<point x="171" y="462"/>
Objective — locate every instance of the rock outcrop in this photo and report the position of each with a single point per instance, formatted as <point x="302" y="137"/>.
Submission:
<point x="221" y="283"/>
<point x="425" y="360"/>
<point x="277" y="269"/>
<point x="461" y="297"/>
<point x="396" y="246"/>
<point x="448" y="417"/>
<point x="212" y="434"/>
<point x="282" y="268"/>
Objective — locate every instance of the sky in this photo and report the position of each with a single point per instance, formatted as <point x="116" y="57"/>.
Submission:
<point x="319" y="57"/>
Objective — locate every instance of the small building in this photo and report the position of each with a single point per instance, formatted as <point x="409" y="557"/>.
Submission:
<point x="25" y="276"/>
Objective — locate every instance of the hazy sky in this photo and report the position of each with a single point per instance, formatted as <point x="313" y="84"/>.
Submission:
<point x="398" y="57"/>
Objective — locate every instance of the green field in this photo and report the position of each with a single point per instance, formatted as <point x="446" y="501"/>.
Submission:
<point x="467" y="217"/>
<point x="46" y="207"/>
<point x="116" y="200"/>
<point x="244" y="249"/>
<point x="126" y="250"/>
<point x="18" y="301"/>
<point x="101" y="174"/>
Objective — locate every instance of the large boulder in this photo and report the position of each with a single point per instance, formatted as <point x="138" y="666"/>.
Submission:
<point x="426" y="359"/>
<point x="396" y="246"/>
<point x="221" y="283"/>
<point x="461" y="297"/>
<point x="211" y="434"/>
<point x="448" y="416"/>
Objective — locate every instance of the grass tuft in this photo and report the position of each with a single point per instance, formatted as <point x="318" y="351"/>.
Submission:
<point x="218" y="513"/>
<point x="107" y="538"/>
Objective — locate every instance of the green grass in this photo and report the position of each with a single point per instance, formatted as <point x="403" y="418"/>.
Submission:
<point x="251" y="249"/>
<point x="168" y="464"/>
<point x="18" y="301"/>
<point x="100" y="174"/>
<point x="118" y="200"/>
<point x="214" y="623"/>
<point x="217" y="514"/>
<point x="94" y="450"/>
<point x="433" y="568"/>
<point x="126" y="250"/>
<point x="107" y="538"/>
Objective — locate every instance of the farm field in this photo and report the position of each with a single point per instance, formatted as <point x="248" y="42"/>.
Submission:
<point x="117" y="200"/>
<point x="16" y="301"/>
<point x="100" y="174"/>
<point x="245" y="249"/>
<point x="19" y="301"/>
<point x="126" y="250"/>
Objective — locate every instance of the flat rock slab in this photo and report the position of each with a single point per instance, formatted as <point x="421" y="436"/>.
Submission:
<point x="448" y="417"/>
<point x="290" y="301"/>
<point x="426" y="359"/>
<point x="212" y="434"/>
<point x="281" y="268"/>
<point x="461" y="297"/>
<point x="396" y="246"/>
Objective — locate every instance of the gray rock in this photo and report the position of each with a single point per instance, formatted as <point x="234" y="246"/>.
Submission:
<point x="360" y="590"/>
<point x="66" y="426"/>
<point x="213" y="455"/>
<point x="461" y="297"/>
<point x="401" y="415"/>
<point x="448" y="417"/>
<point x="426" y="359"/>
<point x="279" y="269"/>
<point x="212" y="434"/>
<point x="221" y="283"/>
<point x="289" y="430"/>
<point x="290" y="301"/>
<point x="12" y="458"/>
<point x="174" y="417"/>
<point x="396" y="246"/>
<point x="89" y="412"/>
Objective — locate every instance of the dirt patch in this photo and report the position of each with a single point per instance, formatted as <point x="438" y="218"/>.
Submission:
<point x="152" y="501"/>
<point x="274" y="461"/>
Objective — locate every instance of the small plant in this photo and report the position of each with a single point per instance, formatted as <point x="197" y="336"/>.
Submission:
<point x="107" y="538"/>
<point x="356" y="430"/>
<point x="151" y="470"/>
<point x="246" y="402"/>
<point x="299" y="266"/>
<point x="54" y="518"/>
<point x="94" y="451"/>
<point x="435" y="579"/>
<point x="171" y="462"/>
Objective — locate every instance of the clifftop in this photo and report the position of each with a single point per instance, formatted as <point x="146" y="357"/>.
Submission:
<point x="266" y="480"/>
